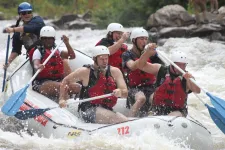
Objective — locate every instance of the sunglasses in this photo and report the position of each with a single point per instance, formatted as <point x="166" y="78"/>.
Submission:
<point x="26" y="12"/>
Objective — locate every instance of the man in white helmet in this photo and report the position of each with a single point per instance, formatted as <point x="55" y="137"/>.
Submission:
<point x="170" y="96"/>
<point x="140" y="83"/>
<point x="49" y="79"/>
<point x="97" y="79"/>
<point x="115" y="42"/>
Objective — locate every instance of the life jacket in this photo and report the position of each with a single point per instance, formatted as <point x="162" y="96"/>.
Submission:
<point x="54" y="68"/>
<point x="115" y="59"/>
<point x="170" y="93"/>
<point x="140" y="78"/>
<point x="99" y="86"/>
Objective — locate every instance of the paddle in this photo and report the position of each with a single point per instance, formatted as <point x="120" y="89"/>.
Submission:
<point x="217" y="118"/>
<point x="31" y="113"/>
<point x="218" y="103"/>
<point x="6" y="61"/>
<point x="14" y="102"/>
<point x="216" y="113"/>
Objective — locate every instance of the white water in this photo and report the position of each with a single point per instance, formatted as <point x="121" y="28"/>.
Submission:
<point x="206" y="64"/>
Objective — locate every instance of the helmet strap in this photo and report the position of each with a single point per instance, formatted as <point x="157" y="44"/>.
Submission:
<point x="135" y="43"/>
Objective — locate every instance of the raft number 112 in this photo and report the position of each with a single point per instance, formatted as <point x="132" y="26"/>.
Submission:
<point x="123" y="130"/>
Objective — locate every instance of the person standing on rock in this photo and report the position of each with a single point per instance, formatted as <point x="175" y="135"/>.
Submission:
<point x="214" y="6"/>
<point x="200" y="6"/>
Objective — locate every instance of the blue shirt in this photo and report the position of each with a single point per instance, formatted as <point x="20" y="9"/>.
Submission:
<point x="33" y="26"/>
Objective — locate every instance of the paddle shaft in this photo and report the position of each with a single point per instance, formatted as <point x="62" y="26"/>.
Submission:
<point x="88" y="99"/>
<point x="31" y="113"/>
<point x="45" y="62"/>
<point x="6" y="61"/>
<point x="178" y="68"/>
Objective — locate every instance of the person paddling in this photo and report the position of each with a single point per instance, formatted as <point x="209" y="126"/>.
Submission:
<point x="27" y="34"/>
<point x="115" y="42"/>
<point x="97" y="79"/>
<point x="170" y="96"/>
<point x="140" y="83"/>
<point x="49" y="79"/>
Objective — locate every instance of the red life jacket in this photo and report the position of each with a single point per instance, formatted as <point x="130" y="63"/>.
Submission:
<point x="103" y="86"/>
<point x="140" y="78"/>
<point x="170" y="93"/>
<point x="53" y="69"/>
<point x="115" y="59"/>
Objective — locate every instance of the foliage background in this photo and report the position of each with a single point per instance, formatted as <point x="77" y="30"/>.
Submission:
<point x="127" y="12"/>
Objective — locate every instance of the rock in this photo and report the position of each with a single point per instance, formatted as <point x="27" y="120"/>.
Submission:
<point x="74" y="22"/>
<point x="216" y="36"/>
<point x="170" y="16"/>
<point x="64" y="19"/>
<point x="221" y="10"/>
<point x="80" y="24"/>
<point x="87" y="15"/>
<point x="174" y="21"/>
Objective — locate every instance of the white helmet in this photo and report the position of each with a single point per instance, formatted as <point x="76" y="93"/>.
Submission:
<point x="179" y="56"/>
<point x="99" y="50"/>
<point x="115" y="27"/>
<point x="138" y="32"/>
<point x="47" y="31"/>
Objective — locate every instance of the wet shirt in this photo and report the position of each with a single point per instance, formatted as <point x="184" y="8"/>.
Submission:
<point x="106" y="42"/>
<point x="33" y="26"/>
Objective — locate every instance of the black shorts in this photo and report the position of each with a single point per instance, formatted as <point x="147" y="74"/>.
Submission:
<point x="163" y="110"/>
<point x="37" y="83"/>
<point x="88" y="111"/>
<point x="147" y="90"/>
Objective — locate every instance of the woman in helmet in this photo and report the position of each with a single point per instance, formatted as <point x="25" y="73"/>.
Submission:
<point x="97" y="79"/>
<point x="140" y="83"/>
<point x="49" y="79"/>
<point x="115" y="42"/>
<point x="27" y="34"/>
<point x="170" y="96"/>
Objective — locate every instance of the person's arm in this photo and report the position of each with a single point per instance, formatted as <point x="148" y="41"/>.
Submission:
<point x="34" y="26"/>
<point x="190" y="85"/>
<point x="128" y="62"/>
<point x="145" y="66"/>
<point x="69" y="54"/>
<point x="113" y="49"/>
<point x="36" y="58"/>
<point x="78" y="75"/>
<point x="121" y="90"/>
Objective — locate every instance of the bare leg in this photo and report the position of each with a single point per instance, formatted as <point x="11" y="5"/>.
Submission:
<point x="139" y="102"/>
<point x="50" y="88"/>
<point x="74" y="88"/>
<point x="105" y="116"/>
<point x="176" y="113"/>
<point x="196" y="8"/>
<point x="211" y="6"/>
